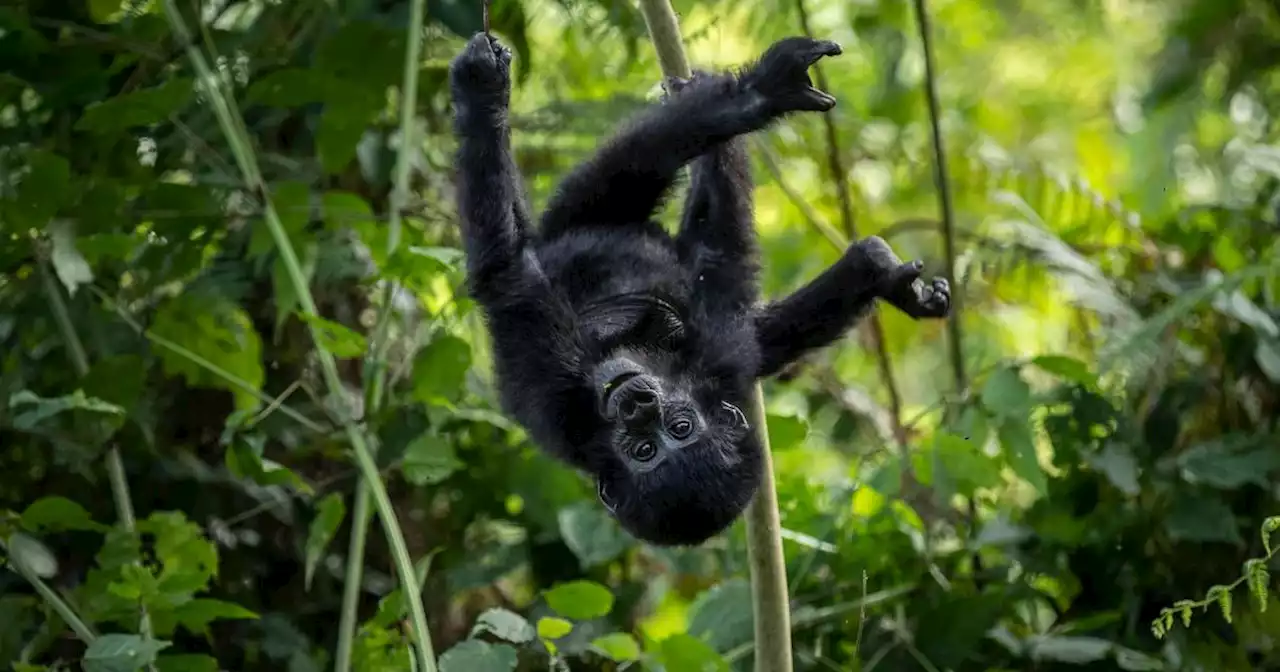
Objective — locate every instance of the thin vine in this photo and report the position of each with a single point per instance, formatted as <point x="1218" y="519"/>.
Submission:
<point x="1255" y="575"/>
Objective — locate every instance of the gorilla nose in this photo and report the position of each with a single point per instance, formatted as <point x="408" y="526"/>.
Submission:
<point x="638" y="407"/>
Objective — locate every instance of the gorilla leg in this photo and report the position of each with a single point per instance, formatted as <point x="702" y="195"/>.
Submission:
<point x="717" y="238"/>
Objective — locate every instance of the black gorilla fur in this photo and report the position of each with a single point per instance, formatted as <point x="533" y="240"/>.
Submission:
<point x="622" y="350"/>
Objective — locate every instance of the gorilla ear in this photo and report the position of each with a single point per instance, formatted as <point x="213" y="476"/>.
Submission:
<point x="602" y="491"/>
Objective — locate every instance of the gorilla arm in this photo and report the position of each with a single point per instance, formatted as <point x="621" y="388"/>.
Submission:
<point x="831" y="304"/>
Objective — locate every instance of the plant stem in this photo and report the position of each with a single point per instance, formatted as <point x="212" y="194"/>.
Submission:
<point x="764" y="541"/>
<point x="944" y="193"/>
<point x="241" y="146"/>
<point x="115" y="465"/>
<point x="375" y="382"/>
<point x="81" y="629"/>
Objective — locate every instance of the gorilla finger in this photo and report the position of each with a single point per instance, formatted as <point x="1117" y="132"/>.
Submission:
<point x="823" y="48"/>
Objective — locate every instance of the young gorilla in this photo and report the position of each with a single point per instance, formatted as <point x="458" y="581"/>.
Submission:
<point x="628" y="353"/>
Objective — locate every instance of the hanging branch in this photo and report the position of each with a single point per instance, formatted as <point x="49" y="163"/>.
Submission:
<point x="944" y="193"/>
<point x="764" y="540"/>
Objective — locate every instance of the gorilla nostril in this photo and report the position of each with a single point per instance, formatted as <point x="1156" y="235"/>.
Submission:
<point x="637" y="404"/>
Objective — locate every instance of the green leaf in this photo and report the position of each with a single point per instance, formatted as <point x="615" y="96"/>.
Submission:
<point x="786" y="431"/>
<point x="188" y="560"/>
<point x="619" y="647"/>
<point x="1006" y="394"/>
<point x="196" y="615"/>
<point x="219" y="333"/>
<point x="429" y="460"/>
<point x="293" y="87"/>
<point x="722" y="617"/>
<point x="55" y="514"/>
<point x="446" y="257"/>
<point x="1068" y="368"/>
<point x="1267" y="354"/>
<point x="504" y="624"/>
<point x="474" y="655"/>
<point x="121" y="653"/>
<point x="336" y="338"/>
<point x="1071" y="650"/>
<point x="687" y="653"/>
<point x="68" y="264"/>
<point x="1134" y="661"/>
<point x="580" y="600"/>
<point x="440" y="369"/>
<point x="342" y="124"/>
<point x="44" y="189"/>
<point x="187" y="662"/>
<point x="965" y="464"/>
<point x="45" y="408"/>
<point x="592" y="534"/>
<point x="105" y="11"/>
<point x="1117" y="463"/>
<point x="144" y="107"/>
<point x="330" y="512"/>
<point x="550" y="627"/>
<point x="32" y="555"/>
<point x="244" y="460"/>
<point x="1217" y="464"/>
<point x="1201" y="518"/>
<point x="1020" y="450"/>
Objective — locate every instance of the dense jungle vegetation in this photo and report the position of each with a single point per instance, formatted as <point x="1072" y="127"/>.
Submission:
<point x="231" y="284"/>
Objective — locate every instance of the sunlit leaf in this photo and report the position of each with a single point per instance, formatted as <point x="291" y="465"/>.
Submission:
<point x="553" y="628"/>
<point x="580" y="600"/>
<point x="619" y="646"/>
<point x="686" y="652"/>
<point x="55" y="514"/>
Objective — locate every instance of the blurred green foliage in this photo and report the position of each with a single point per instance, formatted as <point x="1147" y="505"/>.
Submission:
<point x="1111" y="453"/>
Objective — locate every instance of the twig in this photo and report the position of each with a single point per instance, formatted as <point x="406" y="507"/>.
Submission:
<point x="944" y="193"/>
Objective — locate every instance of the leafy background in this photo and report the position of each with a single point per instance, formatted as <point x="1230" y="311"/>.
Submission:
<point x="1099" y="445"/>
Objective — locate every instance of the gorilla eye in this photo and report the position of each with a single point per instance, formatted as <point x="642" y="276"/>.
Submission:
<point x="645" y="451"/>
<point x="681" y="429"/>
